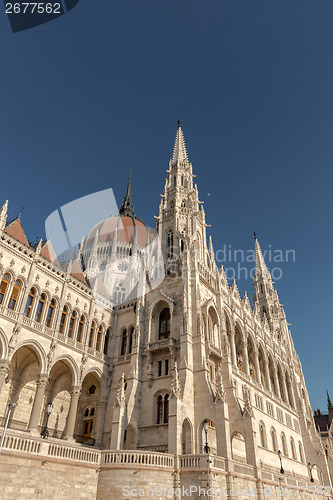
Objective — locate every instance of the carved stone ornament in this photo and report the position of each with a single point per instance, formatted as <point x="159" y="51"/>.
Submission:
<point x="51" y="353"/>
<point x="13" y="339"/>
<point x="247" y="410"/>
<point x="175" y="384"/>
<point x="83" y="364"/>
<point x="120" y="398"/>
<point x="220" y="392"/>
<point x="12" y="263"/>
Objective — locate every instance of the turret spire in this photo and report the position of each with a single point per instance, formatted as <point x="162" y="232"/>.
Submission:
<point x="261" y="270"/>
<point x="127" y="207"/>
<point x="179" y="151"/>
<point x="329" y="402"/>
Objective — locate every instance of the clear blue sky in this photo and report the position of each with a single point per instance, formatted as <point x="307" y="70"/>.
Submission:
<point x="98" y="91"/>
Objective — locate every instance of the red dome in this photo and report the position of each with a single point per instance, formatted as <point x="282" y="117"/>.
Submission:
<point x="125" y="228"/>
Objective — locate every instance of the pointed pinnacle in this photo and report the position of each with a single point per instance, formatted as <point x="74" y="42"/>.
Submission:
<point x="179" y="149"/>
<point x="329" y="402"/>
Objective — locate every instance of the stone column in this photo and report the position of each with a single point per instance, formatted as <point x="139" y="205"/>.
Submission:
<point x="4" y="369"/>
<point x="233" y="348"/>
<point x="69" y="431"/>
<point x="284" y="389"/>
<point x="292" y="393"/>
<point x="268" y="376"/>
<point x="246" y="358"/>
<point x="276" y="383"/>
<point x="257" y="366"/>
<point x="101" y="421"/>
<point x="41" y="384"/>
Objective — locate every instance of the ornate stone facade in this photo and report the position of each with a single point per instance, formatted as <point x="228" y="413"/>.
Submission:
<point x="132" y="377"/>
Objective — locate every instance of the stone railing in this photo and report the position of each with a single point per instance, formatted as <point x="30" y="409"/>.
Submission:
<point x="162" y="344"/>
<point x="44" y="330"/>
<point x="18" y="443"/>
<point x="200" y="461"/>
<point x="134" y="458"/>
<point x="8" y="313"/>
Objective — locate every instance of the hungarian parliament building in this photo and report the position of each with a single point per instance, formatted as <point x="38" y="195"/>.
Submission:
<point x="134" y="367"/>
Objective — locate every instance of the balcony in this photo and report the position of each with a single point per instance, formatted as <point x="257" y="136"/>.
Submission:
<point x="163" y="344"/>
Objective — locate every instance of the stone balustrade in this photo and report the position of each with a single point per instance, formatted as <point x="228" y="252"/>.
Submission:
<point x="24" y="444"/>
<point x="134" y="458"/>
<point x="49" y="332"/>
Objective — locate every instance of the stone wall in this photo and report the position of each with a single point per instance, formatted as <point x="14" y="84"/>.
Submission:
<point x="33" y="477"/>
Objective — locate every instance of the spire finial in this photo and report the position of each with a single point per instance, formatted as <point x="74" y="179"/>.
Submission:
<point x="127" y="207"/>
<point x="255" y="235"/>
<point x="179" y="150"/>
<point x="179" y="124"/>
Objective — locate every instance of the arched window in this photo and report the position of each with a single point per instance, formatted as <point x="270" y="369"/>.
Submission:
<point x="15" y="295"/>
<point x="3" y="287"/>
<point x="40" y="308"/>
<point x="130" y="340"/>
<point x="88" y="423"/>
<point x="119" y="294"/>
<point x="72" y="324"/>
<point x="170" y="244"/>
<point x="50" y="313"/>
<point x="300" y="449"/>
<point x="262" y="434"/>
<point x="92" y="333"/>
<point x="284" y="445"/>
<point x="164" y="324"/>
<point x="166" y="409"/>
<point x="80" y="329"/>
<point x="123" y="343"/>
<point x="30" y="302"/>
<point x="274" y="440"/>
<point x="107" y="340"/>
<point x="162" y="409"/>
<point x="293" y="450"/>
<point x="63" y="319"/>
<point x="99" y="338"/>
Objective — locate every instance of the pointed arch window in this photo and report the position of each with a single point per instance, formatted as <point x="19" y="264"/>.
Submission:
<point x="63" y="319"/>
<point x="262" y="435"/>
<point x="293" y="450"/>
<point x="301" y="456"/>
<point x="107" y="340"/>
<point x="15" y="295"/>
<point x="284" y="445"/>
<point x="166" y="409"/>
<point x="4" y="286"/>
<point x="50" y="313"/>
<point x="72" y="323"/>
<point x="99" y="338"/>
<point x="40" y="308"/>
<point x="160" y="409"/>
<point x="92" y="333"/>
<point x="164" y="324"/>
<point x="123" y="343"/>
<point x="274" y="440"/>
<point x="130" y="340"/>
<point x="30" y="302"/>
<point x="80" y="329"/>
<point x="170" y="244"/>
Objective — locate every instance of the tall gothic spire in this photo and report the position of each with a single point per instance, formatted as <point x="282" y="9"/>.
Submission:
<point x="265" y="295"/>
<point x="261" y="271"/>
<point x="127" y="207"/>
<point x="179" y="151"/>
